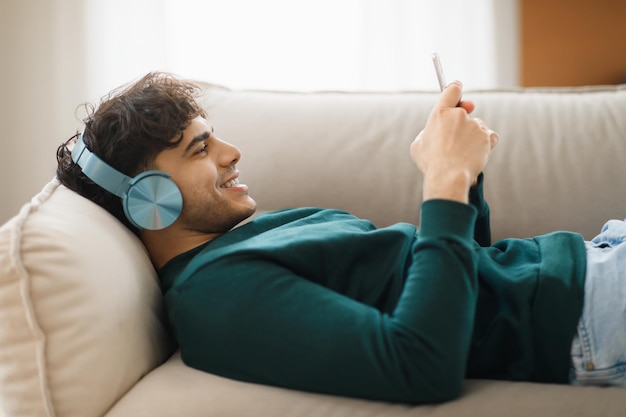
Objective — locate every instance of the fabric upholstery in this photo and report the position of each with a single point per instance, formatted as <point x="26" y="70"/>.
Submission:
<point x="81" y="320"/>
<point x="80" y="309"/>
<point x="558" y="161"/>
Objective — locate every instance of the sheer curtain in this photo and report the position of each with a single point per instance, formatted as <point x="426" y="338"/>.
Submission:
<point x="303" y="45"/>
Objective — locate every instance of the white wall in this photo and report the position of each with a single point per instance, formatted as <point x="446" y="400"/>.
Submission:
<point x="41" y="85"/>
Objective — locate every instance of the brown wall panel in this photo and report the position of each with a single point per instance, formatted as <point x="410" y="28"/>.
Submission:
<point x="573" y="42"/>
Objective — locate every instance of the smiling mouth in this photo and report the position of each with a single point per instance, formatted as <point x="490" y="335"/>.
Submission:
<point x="232" y="183"/>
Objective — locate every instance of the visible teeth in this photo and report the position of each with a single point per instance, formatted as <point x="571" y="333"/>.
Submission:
<point x="231" y="183"/>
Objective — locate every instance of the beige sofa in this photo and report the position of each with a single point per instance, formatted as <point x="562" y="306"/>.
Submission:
<point x="81" y="318"/>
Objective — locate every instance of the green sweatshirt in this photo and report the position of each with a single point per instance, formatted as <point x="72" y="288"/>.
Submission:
<point x="321" y="301"/>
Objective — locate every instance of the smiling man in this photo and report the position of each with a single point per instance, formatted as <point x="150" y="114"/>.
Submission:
<point x="319" y="300"/>
<point x="204" y="168"/>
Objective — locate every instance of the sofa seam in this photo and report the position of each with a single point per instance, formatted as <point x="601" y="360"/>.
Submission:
<point x="15" y="251"/>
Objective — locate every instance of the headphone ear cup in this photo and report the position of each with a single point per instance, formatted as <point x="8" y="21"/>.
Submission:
<point x="153" y="201"/>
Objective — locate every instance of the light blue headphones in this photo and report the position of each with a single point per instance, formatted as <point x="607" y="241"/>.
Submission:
<point x="151" y="200"/>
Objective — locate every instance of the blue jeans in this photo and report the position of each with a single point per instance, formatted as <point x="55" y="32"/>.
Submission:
<point x="599" y="348"/>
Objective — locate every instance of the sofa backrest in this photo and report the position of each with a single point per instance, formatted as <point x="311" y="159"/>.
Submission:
<point x="81" y="315"/>
<point x="559" y="163"/>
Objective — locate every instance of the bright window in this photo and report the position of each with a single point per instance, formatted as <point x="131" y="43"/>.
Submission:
<point x="304" y="44"/>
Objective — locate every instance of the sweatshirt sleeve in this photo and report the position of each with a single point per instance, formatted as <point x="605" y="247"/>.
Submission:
<point x="262" y="323"/>
<point x="482" y="231"/>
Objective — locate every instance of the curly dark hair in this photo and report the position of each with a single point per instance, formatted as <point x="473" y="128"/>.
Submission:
<point x="129" y="128"/>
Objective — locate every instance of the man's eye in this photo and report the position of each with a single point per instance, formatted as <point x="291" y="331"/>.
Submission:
<point x="202" y="149"/>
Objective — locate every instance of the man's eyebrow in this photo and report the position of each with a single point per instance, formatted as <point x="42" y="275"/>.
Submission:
<point x="200" y="138"/>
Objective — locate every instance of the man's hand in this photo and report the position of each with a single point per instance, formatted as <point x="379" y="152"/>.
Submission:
<point x="453" y="148"/>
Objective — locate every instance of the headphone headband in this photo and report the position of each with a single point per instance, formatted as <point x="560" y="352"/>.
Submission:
<point x="99" y="171"/>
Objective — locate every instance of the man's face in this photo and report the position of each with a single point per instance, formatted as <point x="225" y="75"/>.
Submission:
<point x="203" y="167"/>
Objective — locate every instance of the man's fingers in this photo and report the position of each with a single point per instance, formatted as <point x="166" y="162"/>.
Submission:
<point x="451" y="95"/>
<point x="468" y="106"/>
<point x="480" y="123"/>
<point x="493" y="138"/>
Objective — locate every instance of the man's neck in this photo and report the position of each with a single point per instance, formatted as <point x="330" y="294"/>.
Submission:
<point x="164" y="246"/>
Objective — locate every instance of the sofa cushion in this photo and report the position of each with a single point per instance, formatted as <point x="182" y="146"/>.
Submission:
<point x="183" y="391"/>
<point x="80" y="309"/>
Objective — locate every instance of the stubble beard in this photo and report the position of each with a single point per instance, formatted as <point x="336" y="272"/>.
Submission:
<point x="214" y="217"/>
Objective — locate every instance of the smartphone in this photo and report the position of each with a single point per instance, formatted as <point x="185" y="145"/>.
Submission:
<point x="439" y="70"/>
